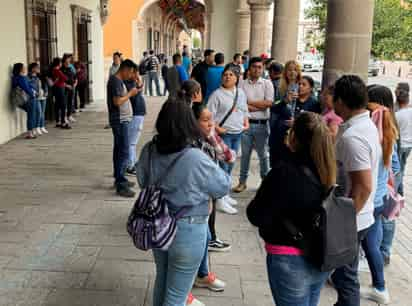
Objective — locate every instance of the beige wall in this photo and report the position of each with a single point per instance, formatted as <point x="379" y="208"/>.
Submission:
<point x="13" y="49"/>
<point x="224" y="27"/>
<point x="12" y="16"/>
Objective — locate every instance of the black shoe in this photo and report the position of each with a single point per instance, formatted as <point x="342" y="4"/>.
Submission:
<point x="131" y="171"/>
<point x="126" y="193"/>
<point x="218" y="246"/>
<point x="66" y="127"/>
<point x="58" y="125"/>
<point x="127" y="184"/>
<point x="386" y="260"/>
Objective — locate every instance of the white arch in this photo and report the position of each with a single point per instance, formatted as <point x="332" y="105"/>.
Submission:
<point x="148" y="3"/>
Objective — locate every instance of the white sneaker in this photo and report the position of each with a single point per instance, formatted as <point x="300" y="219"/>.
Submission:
<point x="44" y="131"/>
<point x="231" y="201"/>
<point x="192" y="301"/>
<point x="223" y="206"/>
<point x="38" y="131"/>
<point x="71" y="119"/>
<point x="373" y="294"/>
<point x="210" y="282"/>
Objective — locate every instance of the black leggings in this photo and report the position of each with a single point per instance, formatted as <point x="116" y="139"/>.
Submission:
<point x="59" y="104"/>
<point x="70" y="101"/>
<point x="212" y="221"/>
<point x="81" y="92"/>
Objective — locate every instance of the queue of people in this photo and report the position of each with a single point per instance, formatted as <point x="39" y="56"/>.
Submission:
<point x="63" y="84"/>
<point x="339" y="137"/>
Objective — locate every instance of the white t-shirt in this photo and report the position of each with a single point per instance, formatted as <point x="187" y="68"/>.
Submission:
<point x="260" y="90"/>
<point x="404" y="118"/>
<point x="358" y="148"/>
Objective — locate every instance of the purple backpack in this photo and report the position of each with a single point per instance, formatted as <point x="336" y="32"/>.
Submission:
<point x="150" y="223"/>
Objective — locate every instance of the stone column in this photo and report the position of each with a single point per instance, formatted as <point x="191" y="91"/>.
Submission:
<point x="243" y="27"/>
<point x="259" y="20"/>
<point x="285" y="30"/>
<point x="348" y="39"/>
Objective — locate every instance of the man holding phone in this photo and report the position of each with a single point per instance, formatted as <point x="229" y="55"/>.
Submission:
<point x="121" y="116"/>
<point x="136" y="125"/>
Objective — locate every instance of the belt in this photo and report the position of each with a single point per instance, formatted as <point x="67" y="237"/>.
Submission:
<point x="260" y="121"/>
<point x="195" y="219"/>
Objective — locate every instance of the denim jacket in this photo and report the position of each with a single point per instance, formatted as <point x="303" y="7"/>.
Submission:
<point x="192" y="181"/>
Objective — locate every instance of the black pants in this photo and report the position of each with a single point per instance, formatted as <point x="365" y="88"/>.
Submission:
<point x="70" y="102"/>
<point x="81" y="91"/>
<point x="346" y="280"/>
<point x="212" y="221"/>
<point x="59" y="104"/>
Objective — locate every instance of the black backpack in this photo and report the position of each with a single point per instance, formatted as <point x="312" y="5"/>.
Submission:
<point x="332" y="242"/>
<point x="143" y="67"/>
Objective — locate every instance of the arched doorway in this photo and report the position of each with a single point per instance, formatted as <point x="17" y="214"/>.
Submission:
<point x="159" y="25"/>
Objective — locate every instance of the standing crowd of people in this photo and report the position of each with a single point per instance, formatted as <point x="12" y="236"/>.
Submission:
<point x="352" y="135"/>
<point x="64" y="83"/>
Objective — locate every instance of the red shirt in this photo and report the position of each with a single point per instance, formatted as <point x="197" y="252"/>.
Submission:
<point x="59" y="78"/>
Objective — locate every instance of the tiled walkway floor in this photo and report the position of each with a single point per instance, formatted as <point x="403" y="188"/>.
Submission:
<point x="63" y="240"/>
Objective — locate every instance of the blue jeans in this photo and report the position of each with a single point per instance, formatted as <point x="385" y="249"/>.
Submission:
<point x="41" y="120"/>
<point x="403" y="158"/>
<point x="204" y="265"/>
<point x="31" y="109"/>
<point x="146" y="82"/>
<point x="135" y="129"/>
<point x="294" y="281"/>
<point x="120" y="152"/>
<point x="371" y="245"/>
<point x="346" y="280"/>
<point x="153" y="76"/>
<point x="176" y="268"/>
<point x="255" y="138"/>
<point x="233" y="142"/>
<point x="37" y="113"/>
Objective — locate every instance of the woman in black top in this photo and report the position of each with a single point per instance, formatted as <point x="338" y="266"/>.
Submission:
<point x="291" y="106"/>
<point x="288" y="195"/>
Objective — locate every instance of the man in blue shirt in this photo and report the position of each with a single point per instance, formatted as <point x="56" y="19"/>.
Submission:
<point x="187" y="62"/>
<point x="214" y="75"/>
<point x="176" y="75"/>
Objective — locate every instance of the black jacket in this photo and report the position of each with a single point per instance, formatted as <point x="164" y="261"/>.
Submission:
<point x="286" y="193"/>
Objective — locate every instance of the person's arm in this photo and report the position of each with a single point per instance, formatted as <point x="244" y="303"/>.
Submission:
<point x="246" y="124"/>
<point x="24" y="84"/>
<point x="333" y="129"/>
<point x="119" y="100"/>
<point x="361" y="187"/>
<point x="260" y="105"/>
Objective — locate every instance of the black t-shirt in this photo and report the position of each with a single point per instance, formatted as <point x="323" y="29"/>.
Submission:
<point x="138" y="101"/>
<point x="199" y="73"/>
<point x="124" y="112"/>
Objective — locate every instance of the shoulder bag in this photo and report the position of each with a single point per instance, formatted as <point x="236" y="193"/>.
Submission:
<point x="232" y="109"/>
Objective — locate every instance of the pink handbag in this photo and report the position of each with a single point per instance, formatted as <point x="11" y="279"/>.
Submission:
<point x="393" y="202"/>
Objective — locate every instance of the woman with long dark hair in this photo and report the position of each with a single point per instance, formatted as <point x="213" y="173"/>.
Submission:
<point x="20" y="79"/>
<point x="192" y="181"/>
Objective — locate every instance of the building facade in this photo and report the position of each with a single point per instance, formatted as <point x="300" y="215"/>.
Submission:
<point x="38" y="31"/>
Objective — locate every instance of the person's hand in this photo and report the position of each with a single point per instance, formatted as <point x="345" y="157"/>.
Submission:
<point x="220" y="130"/>
<point x="292" y="95"/>
<point x="133" y="92"/>
<point x="69" y="87"/>
<point x="290" y="122"/>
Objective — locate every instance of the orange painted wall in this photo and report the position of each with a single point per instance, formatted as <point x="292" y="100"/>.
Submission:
<point x="118" y="29"/>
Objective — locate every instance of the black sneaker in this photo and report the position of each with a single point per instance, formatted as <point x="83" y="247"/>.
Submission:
<point x="126" y="193"/>
<point x="386" y="260"/>
<point x="66" y="127"/>
<point x="126" y="185"/>
<point x="131" y="171"/>
<point x="219" y="246"/>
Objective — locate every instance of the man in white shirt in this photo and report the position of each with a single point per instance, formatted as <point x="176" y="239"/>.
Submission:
<point x="260" y="95"/>
<point x="404" y="119"/>
<point x="358" y="152"/>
